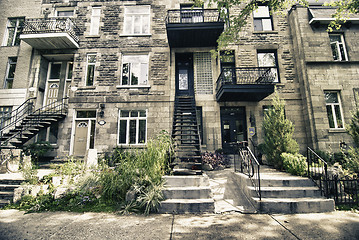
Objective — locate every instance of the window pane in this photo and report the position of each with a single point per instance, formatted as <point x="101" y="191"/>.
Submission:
<point x="266" y="60"/>
<point x="132" y="131"/>
<point x="338" y="116"/>
<point x="267" y="24"/>
<point x="261" y="12"/>
<point x="331" y="97"/>
<point x="11" y="72"/>
<point x="11" y="32"/>
<point x="91" y="58"/>
<point x="134" y="114"/>
<point x="142" y="113"/>
<point x="55" y="71"/>
<point x="86" y="114"/>
<point x="69" y="13"/>
<point x="145" y="24"/>
<point x="90" y="75"/>
<point x="137" y="25"/>
<point x="125" y="73"/>
<point x="334" y="38"/>
<point x="123" y="130"/>
<point x="330" y="116"/>
<point x="135" y="73"/>
<point x="258" y="25"/>
<point x="69" y="73"/>
<point x="142" y="131"/>
<point x="125" y="113"/>
<point x="335" y="51"/>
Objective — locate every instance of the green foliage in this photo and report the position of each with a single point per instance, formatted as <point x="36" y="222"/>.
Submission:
<point x="71" y="168"/>
<point x="29" y="172"/>
<point x="353" y="128"/>
<point x="295" y="164"/>
<point x="278" y="132"/>
<point x="352" y="161"/>
<point x="151" y="198"/>
<point x="37" y="150"/>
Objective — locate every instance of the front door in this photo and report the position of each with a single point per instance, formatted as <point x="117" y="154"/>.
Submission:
<point x="84" y="137"/>
<point x="233" y="124"/>
<point x="184" y="74"/>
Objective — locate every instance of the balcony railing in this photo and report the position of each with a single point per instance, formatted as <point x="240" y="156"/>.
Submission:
<point x="245" y="84"/>
<point x="51" y="25"/>
<point x="193" y="16"/>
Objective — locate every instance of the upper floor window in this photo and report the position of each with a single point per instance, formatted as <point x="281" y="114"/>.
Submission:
<point x="334" y="109"/>
<point x="338" y="47"/>
<point x="10" y="72"/>
<point x="137" y="20"/>
<point x="13" y="29"/>
<point x="4" y="114"/>
<point x="64" y="12"/>
<point x="95" y="21"/>
<point x="262" y="19"/>
<point x="134" y="70"/>
<point x="269" y="59"/>
<point x="90" y="73"/>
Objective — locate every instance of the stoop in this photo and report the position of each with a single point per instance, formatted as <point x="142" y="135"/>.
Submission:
<point x="187" y="194"/>
<point x="282" y="193"/>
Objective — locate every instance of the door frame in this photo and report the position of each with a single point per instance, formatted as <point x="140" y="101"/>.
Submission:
<point x="184" y="58"/>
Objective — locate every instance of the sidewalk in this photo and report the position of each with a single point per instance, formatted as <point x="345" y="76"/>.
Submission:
<point x="65" y="225"/>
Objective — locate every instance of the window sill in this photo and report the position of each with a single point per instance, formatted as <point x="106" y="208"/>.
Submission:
<point x="92" y="36"/>
<point x="265" y="32"/>
<point x="132" y="145"/>
<point x="337" y="130"/>
<point x="133" y="86"/>
<point x="136" y="35"/>
<point x="87" y="88"/>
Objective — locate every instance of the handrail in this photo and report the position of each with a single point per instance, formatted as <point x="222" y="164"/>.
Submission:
<point x="318" y="171"/>
<point x="250" y="166"/>
<point x="190" y="16"/>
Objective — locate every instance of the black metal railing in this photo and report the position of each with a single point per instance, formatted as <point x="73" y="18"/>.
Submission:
<point x="249" y="165"/>
<point x="246" y="75"/>
<point x="344" y="190"/>
<point x="13" y="118"/>
<point x="34" y="118"/>
<point x="193" y="16"/>
<point x="51" y="25"/>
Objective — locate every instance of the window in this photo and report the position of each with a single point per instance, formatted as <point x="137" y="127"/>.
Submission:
<point x="4" y="115"/>
<point x="137" y="20"/>
<point x="269" y="59"/>
<point x="132" y="127"/>
<point x="338" y="47"/>
<point x="228" y="66"/>
<point x="13" y="29"/>
<point x="64" y="13"/>
<point x="95" y="21"/>
<point x="134" y="70"/>
<point x="334" y="109"/>
<point x="91" y="62"/>
<point x="10" y="72"/>
<point x="262" y="19"/>
<point x="203" y="73"/>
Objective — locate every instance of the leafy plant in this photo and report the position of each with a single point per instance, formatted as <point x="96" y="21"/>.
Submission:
<point x="72" y="167"/>
<point x="216" y="159"/>
<point x="278" y="132"/>
<point x="353" y="128"/>
<point x="29" y="172"/>
<point x="37" y="150"/>
<point x="295" y="164"/>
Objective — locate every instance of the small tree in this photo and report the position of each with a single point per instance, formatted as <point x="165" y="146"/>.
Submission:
<point x="353" y="129"/>
<point x="278" y="132"/>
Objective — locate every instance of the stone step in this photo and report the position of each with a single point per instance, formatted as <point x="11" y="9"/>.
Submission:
<point x="187" y="192"/>
<point x="6" y="187"/>
<point x="4" y="202"/>
<point x="287" y="192"/>
<point x="6" y="195"/>
<point x="294" y="205"/>
<point x="266" y="181"/>
<point x="187" y="206"/>
<point x="186" y="181"/>
<point x="11" y="181"/>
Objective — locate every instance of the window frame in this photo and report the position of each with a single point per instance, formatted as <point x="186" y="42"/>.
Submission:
<point x="95" y="21"/>
<point x="333" y="111"/>
<point x="5" y="110"/>
<point x="64" y="9"/>
<point x="10" y="62"/>
<point x="128" y="119"/>
<point x="130" y="17"/>
<point x="90" y="64"/>
<point x="276" y="67"/>
<point x="16" y="35"/>
<point x="262" y="18"/>
<point x="338" y="46"/>
<point x="129" y="81"/>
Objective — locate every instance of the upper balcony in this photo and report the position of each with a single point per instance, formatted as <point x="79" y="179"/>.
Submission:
<point x="193" y="27"/>
<point x="251" y="84"/>
<point x="50" y="33"/>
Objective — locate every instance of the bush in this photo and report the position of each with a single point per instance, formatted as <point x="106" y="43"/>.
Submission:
<point x="37" y="150"/>
<point x="352" y="161"/>
<point x="353" y="129"/>
<point x="216" y="159"/>
<point x="295" y="164"/>
<point x="278" y="133"/>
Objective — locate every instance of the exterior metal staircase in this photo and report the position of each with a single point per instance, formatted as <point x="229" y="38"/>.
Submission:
<point x="22" y="124"/>
<point x="185" y="133"/>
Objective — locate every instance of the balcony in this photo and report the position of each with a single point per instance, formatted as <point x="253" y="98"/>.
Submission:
<point x="245" y="84"/>
<point x="193" y="27"/>
<point x="52" y="33"/>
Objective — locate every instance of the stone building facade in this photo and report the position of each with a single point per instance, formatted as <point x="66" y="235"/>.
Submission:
<point x="120" y="72"/>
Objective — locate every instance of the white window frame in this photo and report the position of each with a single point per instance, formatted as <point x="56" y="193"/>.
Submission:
<point x="274" y="68"/>
<point x="262" y="13"/>
<point x="17" y="29"/>
<point x="87" y="67"/>
<point x="143" y="12"/>
<point x="8" y="67"/>
<point x="332" y="108"/>
<point x="338" y="45"/>
<point x="130" y="59"/>
<point x="58" y="10"/>
<point x="95" y="21"/>
<point x="127" y="119"/>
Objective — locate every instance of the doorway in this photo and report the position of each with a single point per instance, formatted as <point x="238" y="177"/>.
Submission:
<point x="184" y="74"/>
<point x="233" y="126"/>
<point x="84" y="136"/>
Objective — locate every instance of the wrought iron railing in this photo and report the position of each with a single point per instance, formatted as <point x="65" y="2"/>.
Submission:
<point x="51" y="25"/>
<point x="246" y="75"/>
<point x="193" y="16"/>
<point x="343" y="189"/>
<point x="249" y="165"/>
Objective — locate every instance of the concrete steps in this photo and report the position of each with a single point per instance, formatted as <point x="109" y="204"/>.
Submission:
<point x="187" y="194"/>
<point x="7" y="187"/>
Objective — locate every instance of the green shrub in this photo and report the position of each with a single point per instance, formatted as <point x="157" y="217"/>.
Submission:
<point x="37" y="150"/>
<point x="352" y="161"/>
<point x="295" y="164"/>
<point x="278" y="132"/>
<point x="353" y="128"/>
